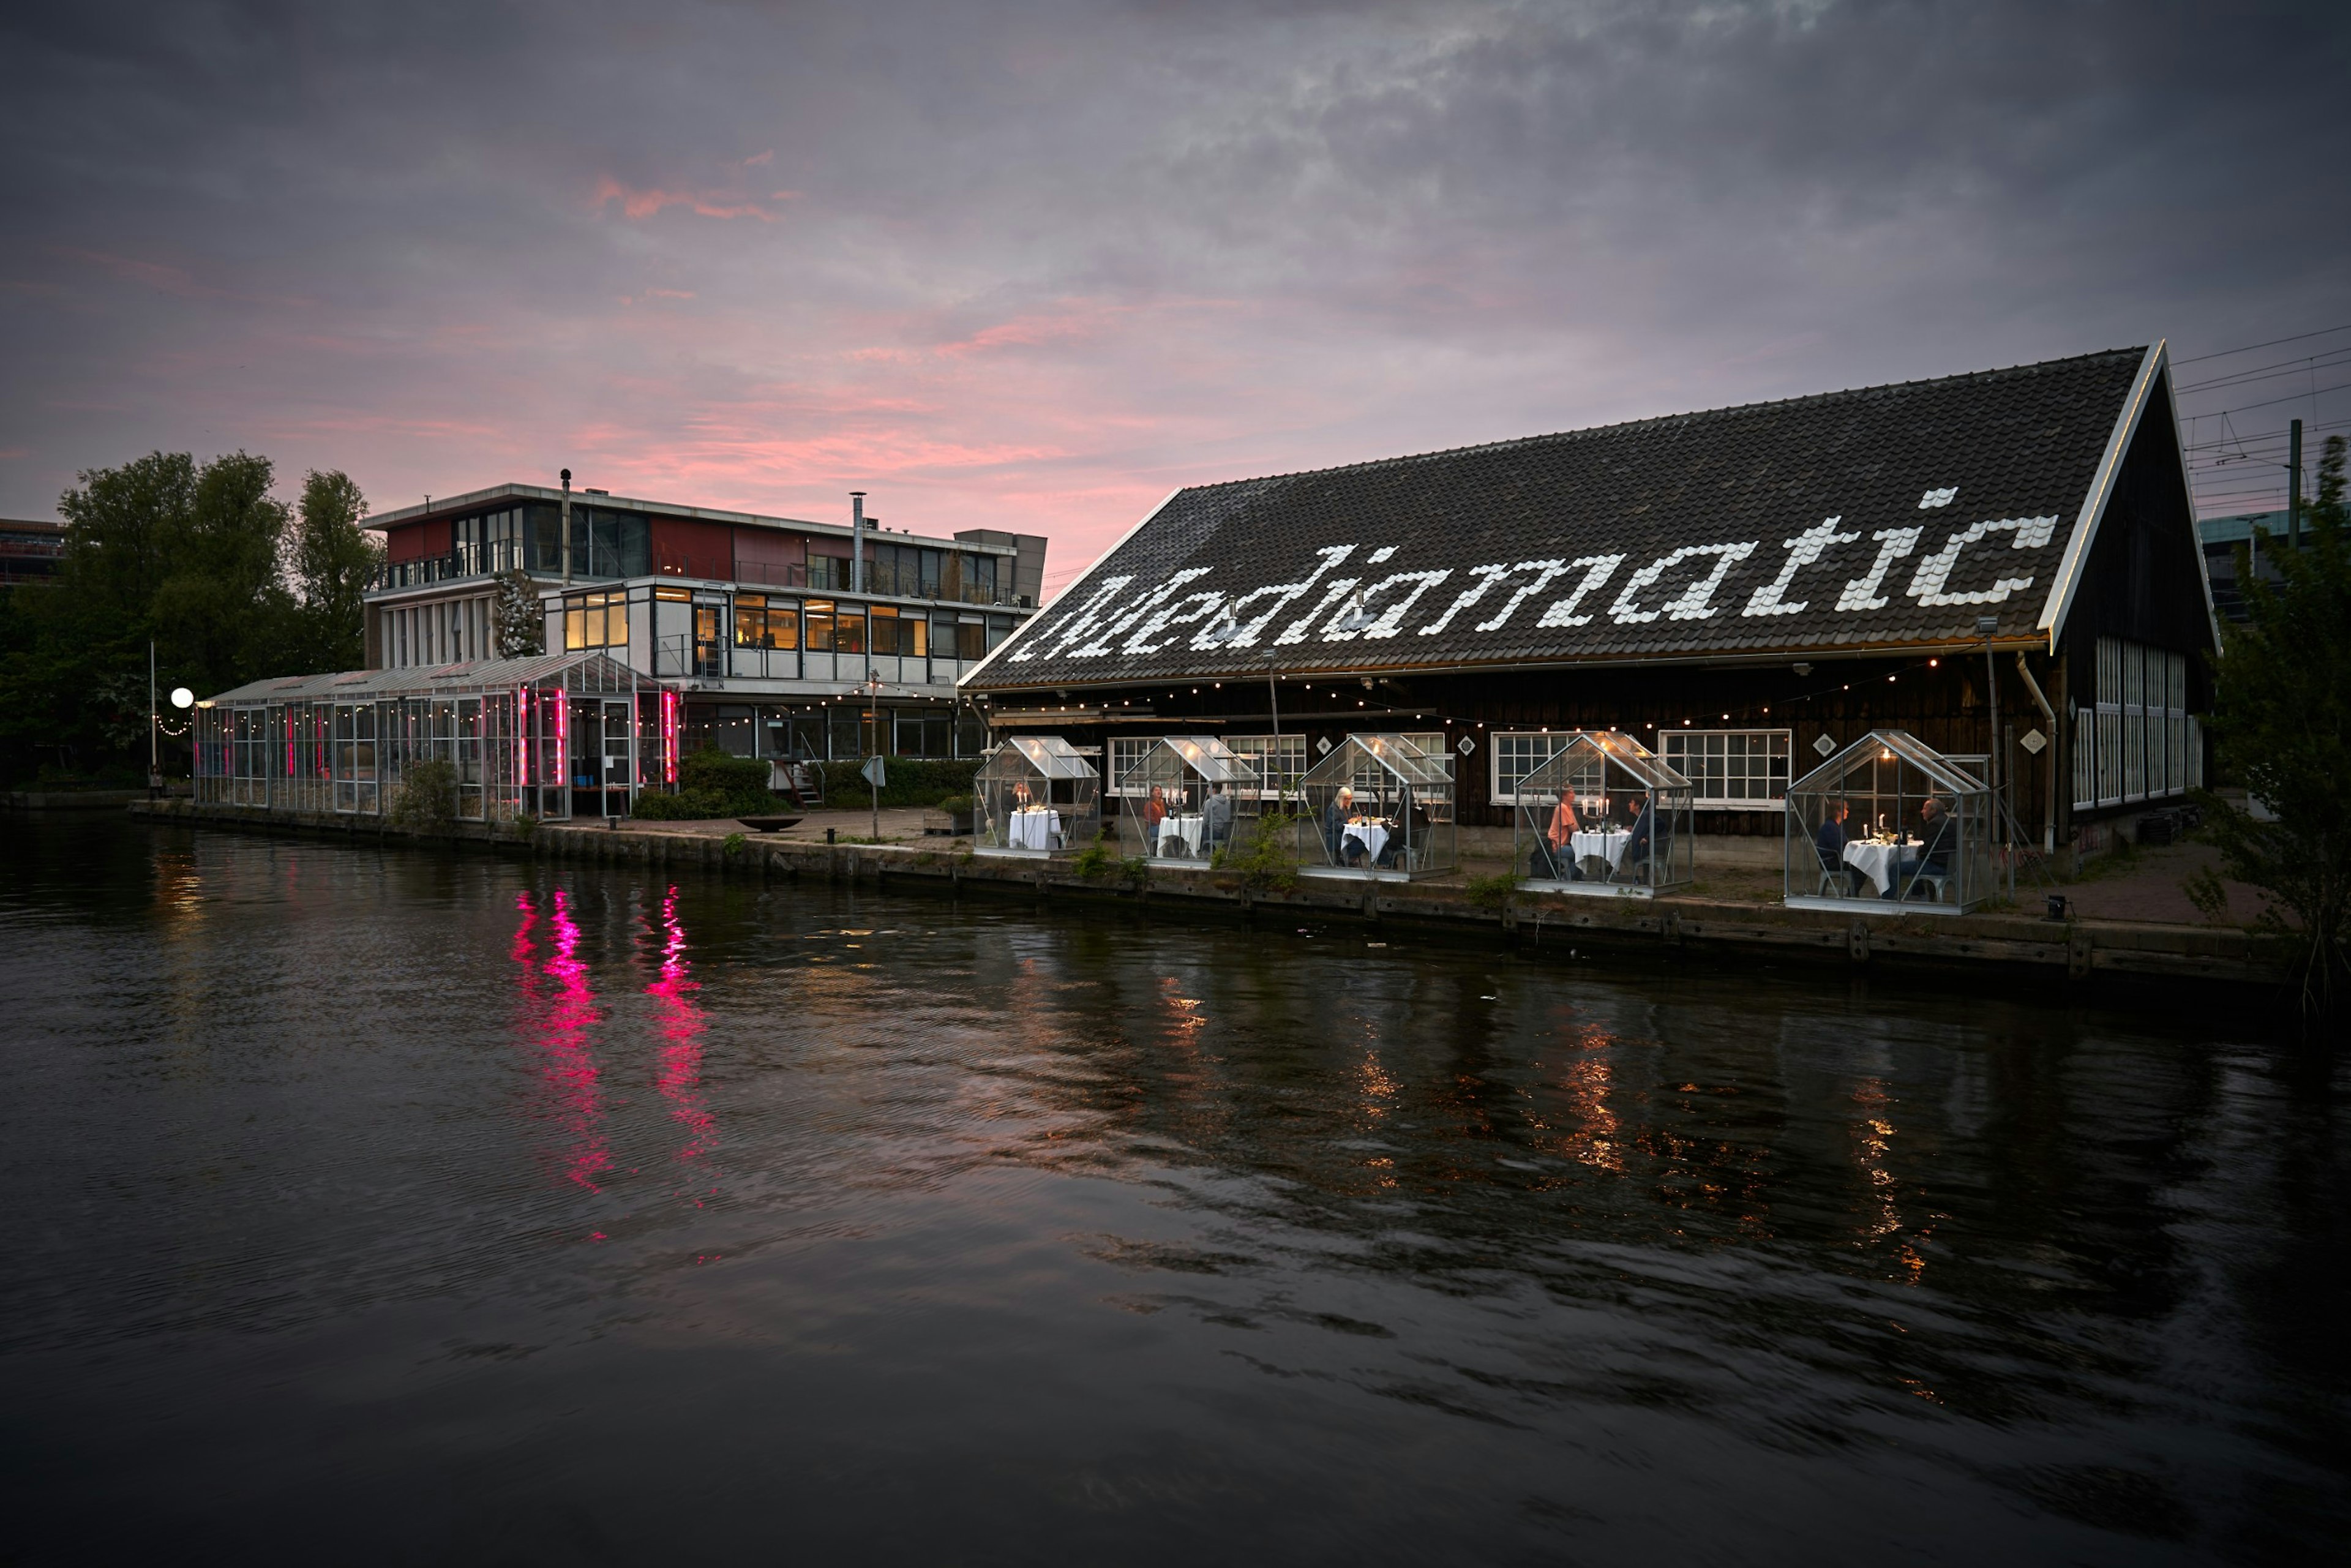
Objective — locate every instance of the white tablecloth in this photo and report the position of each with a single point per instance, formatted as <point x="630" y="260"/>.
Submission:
<point x="1875" y="861"/>
<point x="1608" y="846"/>
<point x="1034" y="829"/>
<point x="1371" y="835"/>
<point x="1180" y="836"/>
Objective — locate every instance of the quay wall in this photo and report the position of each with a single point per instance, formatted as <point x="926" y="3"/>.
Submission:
<point x="2111" y="955"/>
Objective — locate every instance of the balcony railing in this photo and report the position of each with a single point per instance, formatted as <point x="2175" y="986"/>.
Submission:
<point x="820" y="574"/>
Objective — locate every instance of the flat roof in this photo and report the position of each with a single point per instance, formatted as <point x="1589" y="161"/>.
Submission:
<point x="474" y="500"/>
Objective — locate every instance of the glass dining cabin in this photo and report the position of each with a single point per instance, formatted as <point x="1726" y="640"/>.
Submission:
<point x="1189" y="797"/>
<point x="1889" y="822"/>
<point x="1604" y="816"/>
<point x="1037" y="794"/>
<point x="553" y="736"/>
<point x="1377" y="805"/>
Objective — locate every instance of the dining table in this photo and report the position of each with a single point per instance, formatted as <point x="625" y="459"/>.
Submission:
<point x="1371" y="833"/>
<point x="1179" y="838"/>
<point x="1033" y="828"/>
<point x="1875" y="859"/>
<point x="1607" y="844"/>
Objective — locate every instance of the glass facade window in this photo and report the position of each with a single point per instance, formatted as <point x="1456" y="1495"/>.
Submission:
<point x="595" y="620"/>
<point x="818" y="626"/>
<point x="1603" y="815"/>
<point x="1888" y="822"/>
<point x="971" y="640"/>
<point x="762" y="623"/>
<point x="849" y="629"/>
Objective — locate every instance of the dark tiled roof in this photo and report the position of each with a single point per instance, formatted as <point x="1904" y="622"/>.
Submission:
<point x="1600" y="543"/>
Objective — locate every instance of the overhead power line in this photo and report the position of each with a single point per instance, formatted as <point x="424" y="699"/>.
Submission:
<point x="2274" y="342"/>
<point x="2325" y="360"/>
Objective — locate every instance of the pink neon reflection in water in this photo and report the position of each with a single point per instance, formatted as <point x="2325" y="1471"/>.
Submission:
<point x="681" y="1026"/>
<point x="557" y="1020"/>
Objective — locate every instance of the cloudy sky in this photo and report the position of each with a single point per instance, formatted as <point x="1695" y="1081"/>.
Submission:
<point x="1031" y="266"/>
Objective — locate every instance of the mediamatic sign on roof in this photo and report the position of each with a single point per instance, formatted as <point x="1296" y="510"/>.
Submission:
<point x="1882" y="517"/>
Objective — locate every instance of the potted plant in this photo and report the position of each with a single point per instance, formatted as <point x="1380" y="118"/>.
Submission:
<point x="951" y="815"/>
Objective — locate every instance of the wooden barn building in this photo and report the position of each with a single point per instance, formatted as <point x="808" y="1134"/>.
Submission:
<point x="1743" y="589"/>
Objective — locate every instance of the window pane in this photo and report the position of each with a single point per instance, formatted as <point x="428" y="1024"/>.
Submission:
<point x="783" y="628"/>
<point x="820" y="632"/>
<point x="849" y="632"/>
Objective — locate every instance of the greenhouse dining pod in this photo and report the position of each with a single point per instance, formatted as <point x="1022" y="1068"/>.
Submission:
<point x="1189" y="797"/>
<point x="1887" y="820"/>
<point x="1604" y="815"/>
<point x="1379" y="807"/>
<point x="555" y="736"/>
<point x="1037" y="794"/>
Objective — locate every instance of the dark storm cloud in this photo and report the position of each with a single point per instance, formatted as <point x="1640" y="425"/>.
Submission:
<point x="1038" y="263"/>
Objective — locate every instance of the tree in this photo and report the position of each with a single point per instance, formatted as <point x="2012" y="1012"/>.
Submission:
<point x="201" y="560"/>
<point x="332" y="562"/>
<point x="2282" y="719"/>
<point x="518" y="621"/>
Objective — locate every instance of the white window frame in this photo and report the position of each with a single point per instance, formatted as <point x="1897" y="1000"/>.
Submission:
<point x="1122" y="754"/>
<point x="1253" y="748"/>
<point x="1539" y="745"/>
<point x="1673" y="749"/>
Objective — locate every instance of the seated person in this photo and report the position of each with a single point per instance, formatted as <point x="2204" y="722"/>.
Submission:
<point x="1554" y="855"/>
<point x="1216" y="822"/>
<point x="1343" y="850"/>
<point x="1636" y="848"/>
<point x="1830" y="843"/>
<point x="1941" y="836"/>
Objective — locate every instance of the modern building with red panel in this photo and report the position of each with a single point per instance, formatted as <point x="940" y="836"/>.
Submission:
<point x="786" y="637"/>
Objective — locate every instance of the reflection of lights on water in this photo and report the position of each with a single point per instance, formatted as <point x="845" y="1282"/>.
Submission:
<point x="557" y="1026"/>
<point x="683" y="1022"/>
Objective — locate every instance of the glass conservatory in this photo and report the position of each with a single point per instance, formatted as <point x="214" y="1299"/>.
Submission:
<point x="1378" y="805"/>
<point x="1036" y="794"/>
<point x="1605" y="815"/>
<point x="1889" y="820"/>
<point x="554" y="736"/>
<point x="1189" y="797"/>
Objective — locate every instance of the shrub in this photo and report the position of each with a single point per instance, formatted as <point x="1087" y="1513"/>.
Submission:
<point x="712" y="783"/>
<point x="1492" y="892"/>
<point x="914" y="780"/>
<point x="1268" y="860"/>
<point x="957" y="805"/>
<point x="426" y="798"/>
<point x="1097" y="861"/>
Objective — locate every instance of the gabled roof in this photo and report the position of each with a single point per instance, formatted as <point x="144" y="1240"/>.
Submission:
<point x="1587" y="751"/>
<point x="1887" y="516"/>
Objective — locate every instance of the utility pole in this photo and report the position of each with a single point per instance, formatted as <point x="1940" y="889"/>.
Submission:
<point x="1987" y="625"/>
<point x="154" y="764"/>
<point x="567" y="527"/>
<point x="2293" y="486"/>
<point x="857" y="540"/>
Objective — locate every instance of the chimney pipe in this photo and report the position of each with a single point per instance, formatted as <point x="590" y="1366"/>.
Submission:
<point x="857" y="541"/>
<point x="567" y="527"/>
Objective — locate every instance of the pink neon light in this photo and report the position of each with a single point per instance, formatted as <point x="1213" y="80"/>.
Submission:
<point x="669" y="737"/>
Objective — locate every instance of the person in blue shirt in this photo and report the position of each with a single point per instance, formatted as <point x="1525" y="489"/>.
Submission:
<point x="1634" y="861"/>
<point x="1939" y="838"/>
<point x="1830" y="843"/>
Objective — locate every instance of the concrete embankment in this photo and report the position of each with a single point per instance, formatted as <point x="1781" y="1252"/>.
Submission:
<point x="1688" y="929"/>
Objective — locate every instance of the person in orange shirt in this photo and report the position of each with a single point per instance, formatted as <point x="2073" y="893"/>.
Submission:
<point x="1558" y="848"/>
<point x="1155" y="811"/>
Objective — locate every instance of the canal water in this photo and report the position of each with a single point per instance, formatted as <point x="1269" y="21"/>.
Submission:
<point x="376" y="1206"/>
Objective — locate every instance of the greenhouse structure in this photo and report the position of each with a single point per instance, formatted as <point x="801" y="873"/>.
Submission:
<point x="1189" y="797"/>
<point x="553" y="736"/>
<point x="1888" y="818"/>
<point x="1378" y="807"/>
<point x="1604" y="815"/>
<point x="1036" y="794"/>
